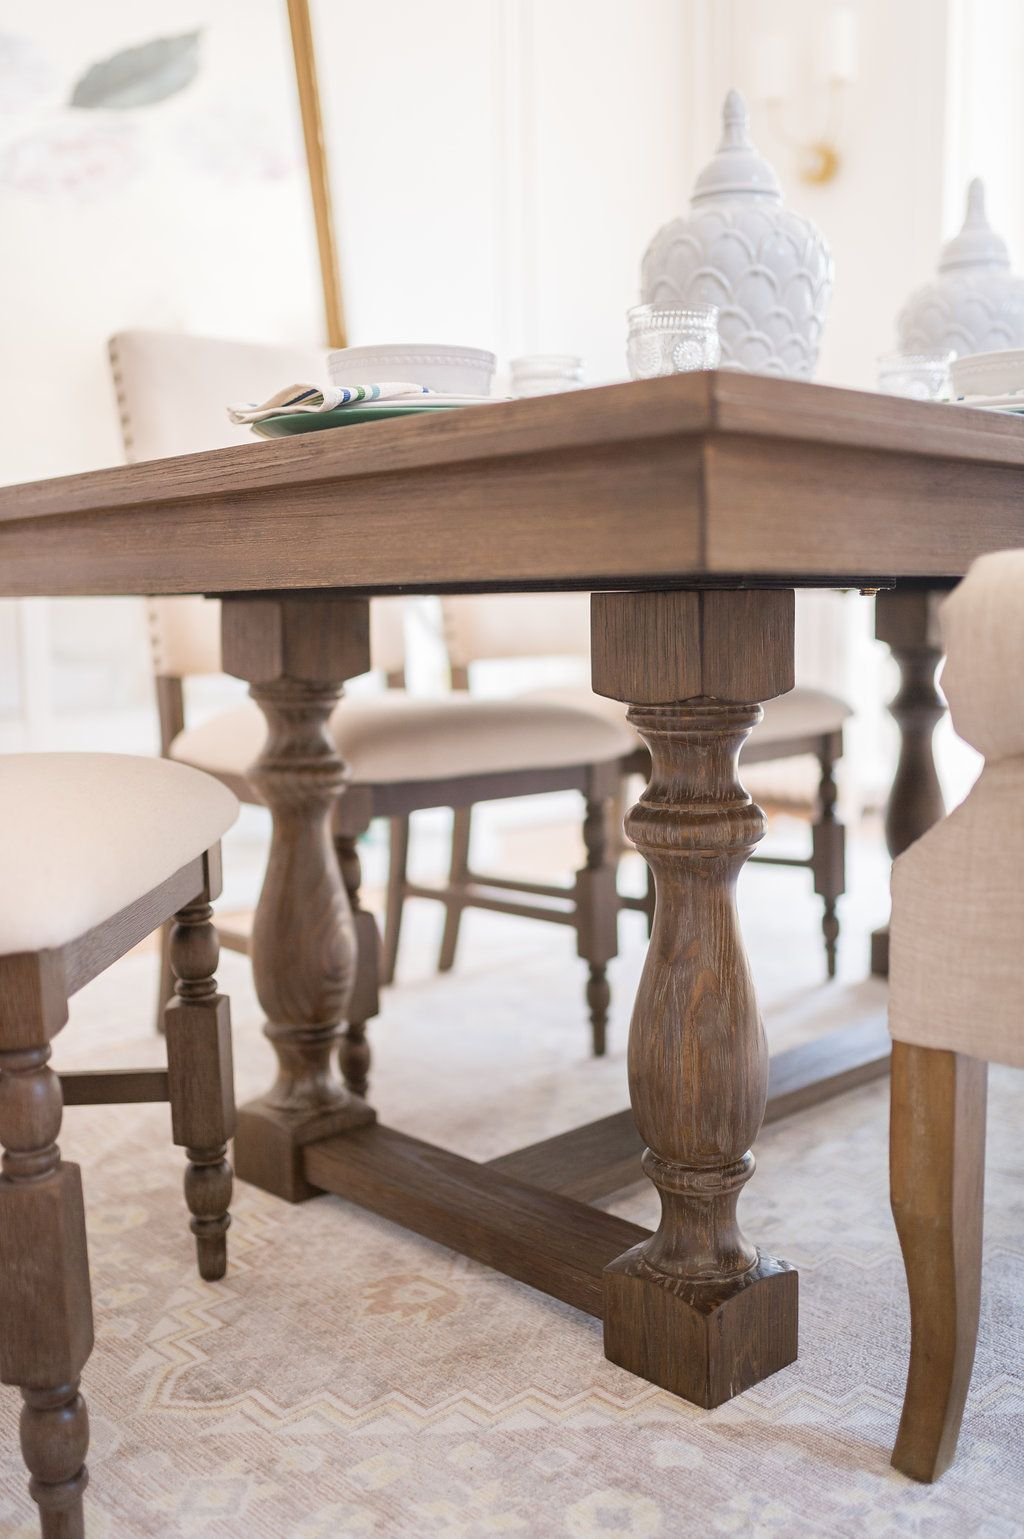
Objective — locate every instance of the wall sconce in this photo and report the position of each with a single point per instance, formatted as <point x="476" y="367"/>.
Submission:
<point x="835" y="69"/>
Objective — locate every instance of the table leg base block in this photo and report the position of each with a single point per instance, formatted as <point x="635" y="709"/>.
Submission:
<point x="880" y="953"/>
<point x="704" y="1342"/>
<point x="270" y="1143"/>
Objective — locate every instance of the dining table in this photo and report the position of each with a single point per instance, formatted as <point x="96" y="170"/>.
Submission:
<point x="691" y="508"/>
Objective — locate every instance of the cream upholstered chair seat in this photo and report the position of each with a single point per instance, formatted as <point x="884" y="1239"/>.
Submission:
<point x="956" y="1003"/>
<point x="802" y="713"/>
<point x="395" y="737"/>
<point x="83" y="835"/>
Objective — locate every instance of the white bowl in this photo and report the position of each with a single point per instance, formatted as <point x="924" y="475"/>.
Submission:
<point x="451" y="370"/>
<point x="1000" y="373"/>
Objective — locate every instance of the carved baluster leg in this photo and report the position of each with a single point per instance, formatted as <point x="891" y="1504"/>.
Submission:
<point x="296" y="651"/>
<point x="697" y="1308"/>
<point x="354" y="1055"/>
<point x="937" y="1178"/>
<point x="45" y="1300"/>
<point x="907" y="619"/>
<point x="197" y="1024"/>
<point x="828" y="852"/>
<point x="597" y="904"/>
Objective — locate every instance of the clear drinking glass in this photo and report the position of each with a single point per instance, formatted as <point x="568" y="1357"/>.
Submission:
<point x="919" y="376"/>
<point x="670" y="339"/>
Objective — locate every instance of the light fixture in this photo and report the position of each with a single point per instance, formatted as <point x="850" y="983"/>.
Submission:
<point x="818" y="158"/>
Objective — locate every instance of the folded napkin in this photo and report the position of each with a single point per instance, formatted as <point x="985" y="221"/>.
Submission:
<point x="316" y="398"/>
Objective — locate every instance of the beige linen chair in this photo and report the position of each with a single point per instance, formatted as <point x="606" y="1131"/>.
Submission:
<point x="956" y="981"/>
<point x="806" y="721"/>
<point x="404" y="754"/>
<point x="96" y="851"/>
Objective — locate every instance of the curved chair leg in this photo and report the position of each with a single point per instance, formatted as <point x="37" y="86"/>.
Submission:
<point x="597" y="911"/>
<point x="458" y="876"/>
<point x="45" y="1302"/>
<point x="828" y="851"/>
<point x="197" y="1023"/>
<point x="354" y="1056"/>
<point x="937" y="1174"/>
<point x="165" y="991"/>
<point x="398" y="861"/>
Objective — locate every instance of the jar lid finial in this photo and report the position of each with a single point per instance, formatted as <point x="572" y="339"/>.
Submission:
<point x="736" y="169"/>
<point x="977" y="244"/>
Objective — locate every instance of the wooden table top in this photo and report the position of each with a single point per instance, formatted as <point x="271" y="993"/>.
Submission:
<point x="703" y="478"/>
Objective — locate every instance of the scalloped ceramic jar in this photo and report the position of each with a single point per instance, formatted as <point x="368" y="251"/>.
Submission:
<point x="767" y="269"/>
<point x="976" y="304"/>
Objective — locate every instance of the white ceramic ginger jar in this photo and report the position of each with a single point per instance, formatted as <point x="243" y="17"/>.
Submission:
<point x="976" y="304"/>
<point x="768" y="269"/>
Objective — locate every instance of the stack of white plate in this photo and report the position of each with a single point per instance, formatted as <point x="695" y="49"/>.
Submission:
<point x="993" y="380"/>
<point x="460" y="375"/>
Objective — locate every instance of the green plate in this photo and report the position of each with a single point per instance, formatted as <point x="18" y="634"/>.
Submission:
<point x="345" y="416"/>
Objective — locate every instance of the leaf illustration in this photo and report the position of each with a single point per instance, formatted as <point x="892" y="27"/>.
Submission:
<point x="138" y="77"/>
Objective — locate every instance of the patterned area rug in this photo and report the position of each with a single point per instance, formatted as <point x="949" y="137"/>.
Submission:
<point x="348" y="1378"/>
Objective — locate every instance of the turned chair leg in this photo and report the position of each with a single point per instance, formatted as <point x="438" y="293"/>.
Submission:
<point x="398" y="863"/>
<point x="597" y="910"/>
<point x="45" y="1301"/>
<point x="354" y="1054"/>
<point x="828" y="851"/>
<point x="937" y="1175"/>
<point x="165" y="987"/>
<point x="458" y="876"/>
<point x="197" y="1024"/>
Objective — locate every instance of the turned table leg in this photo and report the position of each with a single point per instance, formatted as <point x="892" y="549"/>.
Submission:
<point x="697" y="1308"/>
<point x="296" y="650"/>
<point x="907" y="620"/>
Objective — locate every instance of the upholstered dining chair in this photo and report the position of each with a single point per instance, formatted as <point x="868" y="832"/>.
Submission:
<point x="404" y="754"/>
<point x="956" y="1004"/>
<point x="557" y="626"/>
<point x="96" y="851"/>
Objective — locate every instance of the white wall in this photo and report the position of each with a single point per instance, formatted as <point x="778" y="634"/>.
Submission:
<point x="499" y="166"/>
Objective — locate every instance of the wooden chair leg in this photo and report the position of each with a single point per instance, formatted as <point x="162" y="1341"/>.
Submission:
<point x="354" y="1054"/>
<point x="597" y="910"/>
<point x="197" y="1023"/>
<point x="45" y="1301"/>
<point x="166" y="986"/>
<point x="828" y="853"/>
<point x="398" y="862"/>
<point x="458" y="876"/>
<point x="937" y="1175"/>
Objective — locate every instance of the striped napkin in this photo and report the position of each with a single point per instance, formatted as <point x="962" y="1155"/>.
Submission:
<point x="315" y="398"/>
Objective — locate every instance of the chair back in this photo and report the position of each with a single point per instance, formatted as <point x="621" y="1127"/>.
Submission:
<point x="956" y="970"/>
<point x="489" y="627"/>
<point x="172" y="391"/>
